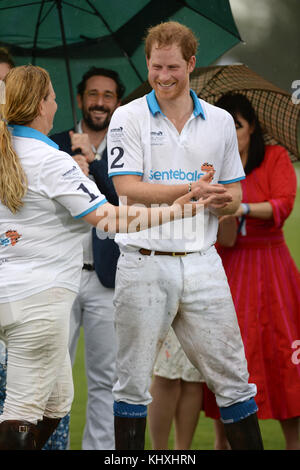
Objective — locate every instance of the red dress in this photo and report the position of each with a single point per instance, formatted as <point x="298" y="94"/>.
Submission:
<point x="265" y="286"/>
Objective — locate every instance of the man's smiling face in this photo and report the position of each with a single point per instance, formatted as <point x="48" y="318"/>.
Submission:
<point x="168" y="71"/>
<point x="98" y="102"/>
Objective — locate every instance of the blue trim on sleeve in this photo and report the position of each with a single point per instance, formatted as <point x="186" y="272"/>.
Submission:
<point x="31" y="133"/>
<point x="127" y="410"/>
<point x="91" y="209"/>
<point x="232" y="181"/>
<point x="238" y="411"/>
<point x="125" y="173"/>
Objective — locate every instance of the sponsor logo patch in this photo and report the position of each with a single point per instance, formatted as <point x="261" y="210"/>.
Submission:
<point x="10" y="237"/>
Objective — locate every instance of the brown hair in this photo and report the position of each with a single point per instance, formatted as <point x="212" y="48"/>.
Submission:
<point x="172" y="32"/>
<point x="25" y="88"/>
<point x="5" y="57"/>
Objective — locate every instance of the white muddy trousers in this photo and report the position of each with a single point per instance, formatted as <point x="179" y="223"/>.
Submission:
<point x="192" y="294"/>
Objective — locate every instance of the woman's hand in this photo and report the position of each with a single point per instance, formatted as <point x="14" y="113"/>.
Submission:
<point x="191" y="203"/>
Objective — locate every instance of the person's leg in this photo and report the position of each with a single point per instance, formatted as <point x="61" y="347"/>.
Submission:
<point x="37" y="337"/>
<point x="74" y="333"/>
<point x="221" y="441"/>
<point x="57" y="410"/>
<point x="177" y="395"/>
<point x="13" y="434"/>
<point x="161" y="411"/>
<point x="208" y="331"/>
<point x="59" y="439"/>
<point x="75" y="324"/>
<point x="45" y="428"/>
<point x="187" y="413"/>
<point x="130" y="432"/>
<point x="243" y="431"/>
<point x="291" y="431"/>
<point x="146" y="301"/>
<point x="3" y="365"/>
<point x="18" y="435"/>
<point x="100" y="362"/>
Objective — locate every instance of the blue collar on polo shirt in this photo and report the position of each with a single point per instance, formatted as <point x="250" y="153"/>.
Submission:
<point x="31" y="133"/>
<point x="155" y="108"/>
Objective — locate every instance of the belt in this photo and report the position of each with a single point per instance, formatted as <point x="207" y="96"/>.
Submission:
<point x="88" y="267"/>
<point x="143" y="251"/>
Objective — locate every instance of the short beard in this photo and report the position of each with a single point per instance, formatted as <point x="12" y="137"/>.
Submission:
<point x="96" y="126"/>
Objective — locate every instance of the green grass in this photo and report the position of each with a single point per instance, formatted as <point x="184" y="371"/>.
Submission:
<point x="204" y="435"/>
<point x="292" y="225"/>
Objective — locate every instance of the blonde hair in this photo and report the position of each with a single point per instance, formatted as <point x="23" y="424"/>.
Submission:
<point x="25" y="88"/>
<point x="172" y="32"/>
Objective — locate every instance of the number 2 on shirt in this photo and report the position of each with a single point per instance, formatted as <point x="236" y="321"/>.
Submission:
<point x="118" y="157"/>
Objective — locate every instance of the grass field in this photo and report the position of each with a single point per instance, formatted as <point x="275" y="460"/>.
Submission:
<point x="204" y="436"/>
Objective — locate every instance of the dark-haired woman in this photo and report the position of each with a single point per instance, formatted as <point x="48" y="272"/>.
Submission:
<point x="264" y="280"/>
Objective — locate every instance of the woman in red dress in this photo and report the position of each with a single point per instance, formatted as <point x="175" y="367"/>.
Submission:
<point x="264" y="280"/>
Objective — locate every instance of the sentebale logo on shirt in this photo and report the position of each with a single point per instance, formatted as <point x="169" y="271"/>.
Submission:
<point x="179" y="174"/>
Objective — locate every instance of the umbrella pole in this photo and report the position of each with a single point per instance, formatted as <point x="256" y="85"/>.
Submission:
<point x="118" y="42"/>
<point x="36" y="33"/>
<point x="63" y="36"/>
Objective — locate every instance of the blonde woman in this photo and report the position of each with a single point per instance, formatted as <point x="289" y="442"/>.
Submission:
<point x="45" y="198"/>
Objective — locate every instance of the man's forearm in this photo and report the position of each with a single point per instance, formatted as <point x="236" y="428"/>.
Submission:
<point x="231" y="207"/>
<point x="143" y="192"/>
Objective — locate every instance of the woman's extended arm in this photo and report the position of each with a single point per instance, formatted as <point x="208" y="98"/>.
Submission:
<point x="127" y="219"/>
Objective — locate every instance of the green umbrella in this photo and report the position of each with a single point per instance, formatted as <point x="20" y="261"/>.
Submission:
<point x="68" y="36"/>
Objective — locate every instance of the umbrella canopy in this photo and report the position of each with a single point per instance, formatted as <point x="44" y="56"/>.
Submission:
<point x="278" y="115"/>
<point x="105" y="34"/>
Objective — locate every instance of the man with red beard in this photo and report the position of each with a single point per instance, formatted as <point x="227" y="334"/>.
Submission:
<point x="98" y="95"/>
<point x="157" y="144"/>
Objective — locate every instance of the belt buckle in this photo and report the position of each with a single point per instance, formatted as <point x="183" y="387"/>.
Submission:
<point x="23" y="428"/>
<point x="179" y="254"/>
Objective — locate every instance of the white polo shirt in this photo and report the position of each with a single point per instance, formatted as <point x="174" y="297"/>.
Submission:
<point x="87" y="243"/>
<point x="143" y="141"/>
<point x="41" y="245"/>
